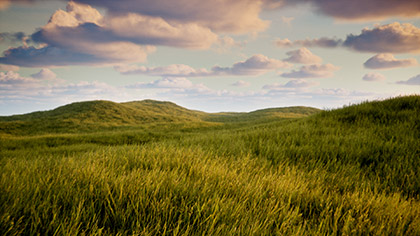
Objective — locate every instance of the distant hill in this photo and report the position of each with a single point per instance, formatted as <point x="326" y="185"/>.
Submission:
<point x="261" y="115"/>
<point x="106" y="115"/>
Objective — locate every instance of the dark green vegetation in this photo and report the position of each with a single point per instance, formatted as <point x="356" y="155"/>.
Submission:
<point x="153" y="168"/>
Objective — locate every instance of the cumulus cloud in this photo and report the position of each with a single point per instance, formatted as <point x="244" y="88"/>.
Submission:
<point x="412" y="81"/>
<point x="81" y="35"/>
<point x="241" y="83"/>
<point x="255" y="65"/>
<point x="312" y="71"/>
<point x="157" y="31"/>
<point x="230" y="16"/>
<point x="390" y="38"/>
<point x="323" y="42"/>
<point x="387" y="60"/>
<point x="44" y="74"/>
<point x="373" y="77"/>
<point x="11" y="78"/>
<point x="303" y="56"/>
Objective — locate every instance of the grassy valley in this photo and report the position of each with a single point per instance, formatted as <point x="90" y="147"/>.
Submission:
<point x="155" y="168"/>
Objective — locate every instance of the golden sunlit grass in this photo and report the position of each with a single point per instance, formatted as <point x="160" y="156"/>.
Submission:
<point x="347" y="171"/>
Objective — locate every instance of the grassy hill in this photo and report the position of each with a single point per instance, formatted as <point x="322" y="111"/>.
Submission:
<point x="349" y="171"/>
<point x="97" y="116"/>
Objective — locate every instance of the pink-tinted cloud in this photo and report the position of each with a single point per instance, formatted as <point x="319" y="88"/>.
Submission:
<point x="373" y="77"/>
<point x="8" y="68"/>
<point x="412" y="81"/>
<point x="253" y="66"/>
<point x="229" y="16"/>
<point x="80" y="35"/>
<point x="323" y="42"/>
<point x="312" y="71"/>
<point x="387" y="61"/>
<point x="303" y="56"/>
<point x="364" y="10"/>
<point x="44" y="74"/>
<point x="390" y="38"/>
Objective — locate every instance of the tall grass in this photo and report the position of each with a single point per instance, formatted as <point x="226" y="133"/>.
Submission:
<point x="352" y="171"/>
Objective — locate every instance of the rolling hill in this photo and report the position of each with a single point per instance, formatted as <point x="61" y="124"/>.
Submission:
<point x="348" y="171"/>
<point x="107" y="115"/>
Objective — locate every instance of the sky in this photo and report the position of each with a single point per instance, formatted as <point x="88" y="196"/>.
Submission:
<point x="224" y="55"/>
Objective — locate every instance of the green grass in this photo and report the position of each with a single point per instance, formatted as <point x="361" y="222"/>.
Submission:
<point x="350" y="171"/>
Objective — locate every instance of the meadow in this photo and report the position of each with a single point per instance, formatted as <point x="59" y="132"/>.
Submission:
<point x="154" y="168"/>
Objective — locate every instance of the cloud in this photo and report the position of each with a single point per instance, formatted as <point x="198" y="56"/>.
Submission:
<point x="11" y="79"/>
<point x="303" y="56"/>
<point x="227" y="16"/>
<point x="164" y="83"/>
<point x="8" y="68"/>
<point x="390" y="38"/>
<point x="44" y="74"/>
<point x="292" y="85"/>
<point x="323" y="42"/>
<point x="176" y="70"/>
<point x="364" y="10"/>
<point x="157" y="31"/>
<point x="253" y="66"/>
<point x="312" y="71"/>
<point x="387" y="61"/>
<point x="241" y="83"/>
<point x="80" y="35"/>
<point x="14" y="37"/>
<point x="374" y="77"/>
<point x="287" y="20"/>
<point x="412" y="81"/>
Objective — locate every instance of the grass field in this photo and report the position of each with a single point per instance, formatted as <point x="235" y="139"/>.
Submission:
<point x="154" y="168"/>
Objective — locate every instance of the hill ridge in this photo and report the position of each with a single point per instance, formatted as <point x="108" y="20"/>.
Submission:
<point x="103" y="114"/>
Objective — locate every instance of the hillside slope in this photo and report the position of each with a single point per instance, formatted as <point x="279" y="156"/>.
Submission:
<point x="107" y="115"/>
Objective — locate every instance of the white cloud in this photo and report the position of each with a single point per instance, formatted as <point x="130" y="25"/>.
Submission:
<point x="374" y="77"/>
<point x="303" y="56"/>
<point x="412" y="81"/>
<point x="44" y="74"/>
<point x="253" y="66"/>
<point x="241" y="83"/>
<point x="12" y="78"/>
<point x="387" y="61"/>
<point x="164" y="83"/>
<point x="312" y="71"/>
